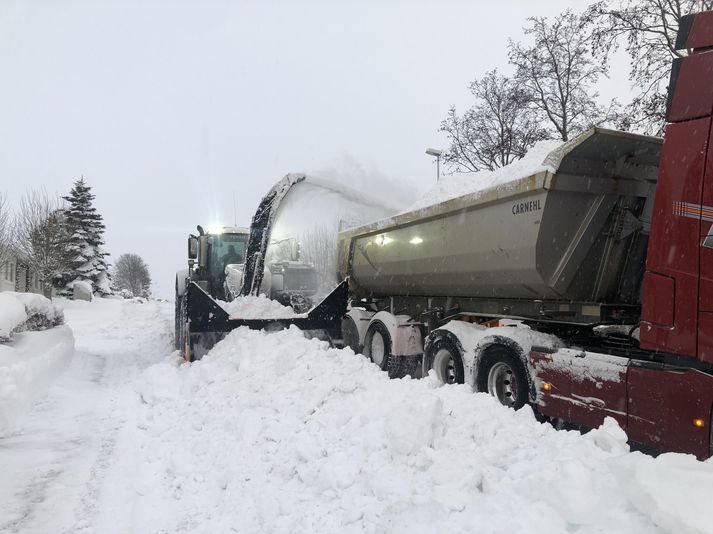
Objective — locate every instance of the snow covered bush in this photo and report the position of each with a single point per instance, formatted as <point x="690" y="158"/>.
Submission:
<point x="12" y="314"/>
<point x="21" y="312"/>
<point x="125" y="293"/>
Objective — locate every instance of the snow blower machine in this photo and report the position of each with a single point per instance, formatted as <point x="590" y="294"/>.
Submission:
<point x="201" y="321"/>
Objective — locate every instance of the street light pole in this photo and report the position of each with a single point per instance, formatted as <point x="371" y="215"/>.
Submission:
<point x="437" y="154"/>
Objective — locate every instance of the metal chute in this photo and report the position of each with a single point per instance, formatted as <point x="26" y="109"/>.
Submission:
<point x="260" y="230"/>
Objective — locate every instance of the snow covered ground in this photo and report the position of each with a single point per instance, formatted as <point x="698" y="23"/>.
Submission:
<point x="278" y="433"/>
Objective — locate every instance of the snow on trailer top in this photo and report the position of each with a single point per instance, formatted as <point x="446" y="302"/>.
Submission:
<point x="607" y="155"/>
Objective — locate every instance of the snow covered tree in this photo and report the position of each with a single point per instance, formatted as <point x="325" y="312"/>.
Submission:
<point x="86" y="231"/>
<point x="40" y="237"/>
<point x="500" y="127"/>
<point x="649" y="28"/>
<point x="132" y="274"/>
<point x="559" y="71"/>
<point x="5" y="231"/>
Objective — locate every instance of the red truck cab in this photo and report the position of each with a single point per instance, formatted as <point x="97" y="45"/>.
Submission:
<point x="663" y="397"/>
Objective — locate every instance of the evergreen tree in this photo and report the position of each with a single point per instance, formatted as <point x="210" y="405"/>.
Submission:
<point x="86" y="231"/>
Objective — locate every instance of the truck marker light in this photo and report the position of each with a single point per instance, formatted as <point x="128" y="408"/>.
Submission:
<point x="698" y="422"/>
<point x="546" y="386"/>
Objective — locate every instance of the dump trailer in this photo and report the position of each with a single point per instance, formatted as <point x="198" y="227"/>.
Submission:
<point x="215" y="254"/>
<point x="584" y="289"/>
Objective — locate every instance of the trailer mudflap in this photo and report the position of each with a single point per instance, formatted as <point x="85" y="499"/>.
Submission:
<point x="206" y="316"/>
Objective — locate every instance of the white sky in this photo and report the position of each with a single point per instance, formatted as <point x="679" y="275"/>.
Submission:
<point x="169" y="108"/>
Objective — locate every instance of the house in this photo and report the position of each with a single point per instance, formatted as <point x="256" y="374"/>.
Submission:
<point x="16" y="276"/>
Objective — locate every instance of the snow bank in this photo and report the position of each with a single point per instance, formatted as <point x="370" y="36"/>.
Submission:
<point x="278" y="433"/>
<point x="256" y="308"/>
<point x="12" y="315"/>
<point x="451" y="186"/>
<point x="28" y="365"/>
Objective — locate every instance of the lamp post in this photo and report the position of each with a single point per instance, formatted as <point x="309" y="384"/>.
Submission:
<point x="437" y="154"/>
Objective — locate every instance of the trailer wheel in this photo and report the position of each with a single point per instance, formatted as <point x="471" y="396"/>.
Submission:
<point x="401" y="366"/>
<point x="445" y="358"/>
<point x="503" y="375"/>
<point x="377" y="344"/>
<point x="350" y="335"/>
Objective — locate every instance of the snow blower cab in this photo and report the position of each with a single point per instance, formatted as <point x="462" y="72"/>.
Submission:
<point x="212" y="254"/>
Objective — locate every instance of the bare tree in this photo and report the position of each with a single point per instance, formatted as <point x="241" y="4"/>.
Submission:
<point x="132" y="274"/>
<point x="499" y="128"/>
<point x="649" y="28"/>
<point x="559" y="72"/>
<point x="41" y="238"/>
<point x="319" y="247"/>
<point x="5" y="231"/>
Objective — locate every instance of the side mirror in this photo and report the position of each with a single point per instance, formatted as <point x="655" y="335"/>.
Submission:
<point x="192" y="247"/>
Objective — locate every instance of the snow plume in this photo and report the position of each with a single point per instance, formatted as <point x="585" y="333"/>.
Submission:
<point x="314" y="211"/>
<point x="376" y="187"/>
<point x="279" y="433"/>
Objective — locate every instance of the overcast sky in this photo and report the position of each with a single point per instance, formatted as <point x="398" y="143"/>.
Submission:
<point x="170" y="108"/>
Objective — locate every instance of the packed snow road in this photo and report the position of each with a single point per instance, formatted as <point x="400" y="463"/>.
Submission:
<point x="278" y="433"/>
<point x="68" y="467"/>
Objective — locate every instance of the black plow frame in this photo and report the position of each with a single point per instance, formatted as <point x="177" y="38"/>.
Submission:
<point x="208" y="323"/>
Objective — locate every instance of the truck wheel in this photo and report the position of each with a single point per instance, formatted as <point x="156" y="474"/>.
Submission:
<point x="503" y="375"/>
<point x="182" y="338"/>
<point x="177" y="342"/>
<point x="446" y="360"/>
<point x="399" y="367"/>
<point x="350" y="335"/>
<point x="377" y="344"/>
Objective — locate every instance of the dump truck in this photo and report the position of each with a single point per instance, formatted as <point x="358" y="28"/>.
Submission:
<point x="229" y="262"/>
<point x="584" y="290"/>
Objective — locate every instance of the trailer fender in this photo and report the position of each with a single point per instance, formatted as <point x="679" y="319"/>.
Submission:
<point x="354" y="326"/>
<point x="406" y="336"/>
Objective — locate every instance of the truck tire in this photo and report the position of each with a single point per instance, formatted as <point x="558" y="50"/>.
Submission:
<point x="444" y="357"/>
<point x="502" y="374"/>
<point x="350" y="335"/>
<point x="177" y="341"/>
<point x="401" y="366"/>
<point x="377" y="344"/>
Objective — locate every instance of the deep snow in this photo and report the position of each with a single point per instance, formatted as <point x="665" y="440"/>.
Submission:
<point x="278" y="433"/>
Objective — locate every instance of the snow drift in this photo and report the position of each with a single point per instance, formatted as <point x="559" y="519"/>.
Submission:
<point x="279" y="433"/>
<point x="28" y="365"/>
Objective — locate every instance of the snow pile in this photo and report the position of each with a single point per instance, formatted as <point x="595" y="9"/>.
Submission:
<point x="12" y="315"/>
<point x="28" y="366"/>
<point x="536" y="160"/>
<point x="256" y="308"/>
<point x="278" y="433"/>
<point x="82" y="290"/>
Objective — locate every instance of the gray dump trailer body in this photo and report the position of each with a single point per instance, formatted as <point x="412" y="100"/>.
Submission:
<point x="576" y="234"/>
